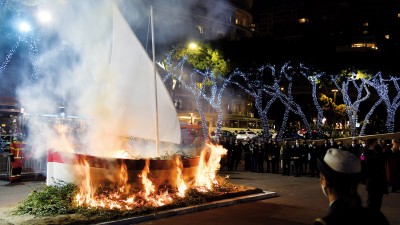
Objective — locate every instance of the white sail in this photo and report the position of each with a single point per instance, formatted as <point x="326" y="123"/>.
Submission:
<point x="133" y="71"/>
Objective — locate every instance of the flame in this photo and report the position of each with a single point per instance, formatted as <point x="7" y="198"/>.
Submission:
<point x="123" y="180"/>
<point x="180" y="183"/>
<point x="127" y="197"/>
<point x="210" y="158"/>
<point x="147" y="184"/>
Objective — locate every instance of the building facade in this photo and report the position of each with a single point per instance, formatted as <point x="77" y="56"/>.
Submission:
<point x="369" y="25"/>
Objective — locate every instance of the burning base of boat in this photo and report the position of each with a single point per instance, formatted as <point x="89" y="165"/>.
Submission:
<point x="126" y="184"/>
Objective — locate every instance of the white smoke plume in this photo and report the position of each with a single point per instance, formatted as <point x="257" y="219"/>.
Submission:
<point x="73" y="75"/>
<point x="75" y="85"/>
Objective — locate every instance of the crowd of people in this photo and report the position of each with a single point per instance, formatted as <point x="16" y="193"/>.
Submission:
<point x="380" y="158"/>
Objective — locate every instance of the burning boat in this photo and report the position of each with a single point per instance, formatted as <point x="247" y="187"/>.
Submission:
<point x="132" y="71"/>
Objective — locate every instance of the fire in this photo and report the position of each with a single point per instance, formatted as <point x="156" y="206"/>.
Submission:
<point x="180" y="183"/>
<point x="208" y="166"/>
<point x="128" y="191"/>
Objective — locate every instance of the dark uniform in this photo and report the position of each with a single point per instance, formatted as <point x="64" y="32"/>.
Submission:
<point x="275" y="157"/>
<point x="339" y="214"/>
<point x="286" y="157"/>
<point x="313" y="150"/>
<point x="375" y="178"/>
<point x="297" y="158"/>
<point x="268" y="154"/>
<point x="260" y="158"/>
<point x="237" y="154"/>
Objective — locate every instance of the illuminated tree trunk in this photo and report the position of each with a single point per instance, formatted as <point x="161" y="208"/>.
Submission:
<point x="371" y="111"/>
<point x="320" y="112"/>
<point x="284" y="122"/>
<point x="313" y="78"/>
<point x="264" y="116"/>
<point x="202" y="117"/>
<point x="264" y="123"/>
<point x="390" y="121"/>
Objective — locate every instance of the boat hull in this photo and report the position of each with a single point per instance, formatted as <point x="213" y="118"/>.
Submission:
<point x="72" y="167"/>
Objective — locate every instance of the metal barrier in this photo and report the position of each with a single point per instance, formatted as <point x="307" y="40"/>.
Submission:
<point x="5" y="165"/>
<point x="30" y="166"/>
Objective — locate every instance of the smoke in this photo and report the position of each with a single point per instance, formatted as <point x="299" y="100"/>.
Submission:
<point x="68" y="103"/>
<point x="72" y="106"/>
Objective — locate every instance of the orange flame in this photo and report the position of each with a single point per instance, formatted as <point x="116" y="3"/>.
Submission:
<point x="125" y="198"/>
<point x="147" y="184"/>
<point x="180" y="183"/>
<point x="210" y="158"/>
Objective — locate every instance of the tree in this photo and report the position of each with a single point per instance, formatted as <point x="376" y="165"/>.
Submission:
<point x="382" y="87"/>
<point x="334" y="111"/>
<point x="314" y="79"/>
<point x="202" y="56"/>
<point x="204" y="85"/>
<point x="342" y="84"/>
<point x="252" y="84"/>
<point x="286" y="71"/>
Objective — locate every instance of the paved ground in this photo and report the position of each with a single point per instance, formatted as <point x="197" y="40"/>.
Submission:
<point x="300" y="201"/>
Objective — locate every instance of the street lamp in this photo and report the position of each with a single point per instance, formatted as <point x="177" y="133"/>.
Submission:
<point x="334" y="94"/>
<point x="24" y="26"/>
<point x="43" y="17"/>
<point x="193" y="46"/>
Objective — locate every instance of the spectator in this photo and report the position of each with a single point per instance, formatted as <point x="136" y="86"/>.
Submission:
<point x="375" y="175"/>
<point x="313" y="149"/>
<point x="297" y="154"/>
<point x="354" y="148"/>
<point x="393" y="165"/>
<point x="275" y="157"/>
<point x="339" y="178"/>
<point x="286" y="154"/>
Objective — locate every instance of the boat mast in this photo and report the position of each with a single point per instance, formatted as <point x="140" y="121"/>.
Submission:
<point x="155" y="75"/>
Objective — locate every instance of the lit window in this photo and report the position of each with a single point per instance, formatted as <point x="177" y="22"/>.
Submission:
<point x="303" y="20"/>
<point x="387" y="36"/>
<point x="364" y="45"/>
<point x="365" y="24"/>
<point x="237" y="21"/>
<point x="358" y="45"/>
<point x="365" y="32"/>
<point x="398" y="15"/>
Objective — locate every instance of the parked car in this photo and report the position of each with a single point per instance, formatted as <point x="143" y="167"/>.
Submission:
<point x="223" y="134"/>
<point x="245" y="134"/>
<point x="291" y="136"/>
<point x="315" y="135"/>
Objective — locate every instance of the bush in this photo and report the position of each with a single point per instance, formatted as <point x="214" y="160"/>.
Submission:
<point x="49" y="200"/>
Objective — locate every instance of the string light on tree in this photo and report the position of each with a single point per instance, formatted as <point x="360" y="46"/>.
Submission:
<point x="254" y="87"/>
<point x="198" y="83"/>
<point x="351" y="107"/>
<point x="382" y="87"/>
<point x="313" y="78"/>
